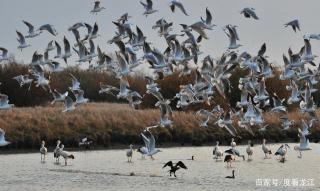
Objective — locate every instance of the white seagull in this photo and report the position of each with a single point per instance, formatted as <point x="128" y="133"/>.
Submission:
<point x="3" y="141"/>
<point x="69" y="104"/>
<point x="130" y="153"/>
<point x="150" y="143"/>
<point x="233" y="37"/>
<point x="4" y="102"/>
<point x="58" y="97"/>
<point x="148" y="7"/>
<point x="43" y="151"/>
<point x="31" y="33"/>
<point x="4" y="56"/>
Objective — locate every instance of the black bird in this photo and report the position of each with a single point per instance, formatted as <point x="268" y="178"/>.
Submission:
<point x="228" y="159"/>
<point x="175" y="167"/>
<point x="232" y="175"/>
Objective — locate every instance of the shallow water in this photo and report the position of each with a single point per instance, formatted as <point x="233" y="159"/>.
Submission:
<point x="109" y="170"/>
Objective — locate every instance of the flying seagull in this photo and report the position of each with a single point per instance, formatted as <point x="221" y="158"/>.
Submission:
<point x="31" y="32"/>
<point x="148" y="7"/>
<point x="3" y="141"/>
<point x="150" y="143"/>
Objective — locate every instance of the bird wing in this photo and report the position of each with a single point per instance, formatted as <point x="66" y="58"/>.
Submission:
<point x="21" y="37"/>
<point x="29" y="25"/>
<point x="146" y="141"/>
<point x="66" y="45"/>
<point x="230" y="128"/>
<point x="181" y="164"/>
<point x="209" y="16"/>
<point x="168" y="164"/>
<point x="58" y="48"/>
<point x="262" y="50"/>
<point x="76" y="34"/>
<point x="48" y="28"/>
<point x="95" y="29"/>
<point x="152" y="141"/>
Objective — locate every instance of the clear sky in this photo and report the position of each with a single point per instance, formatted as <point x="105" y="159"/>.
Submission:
<point x="63" y="13"/>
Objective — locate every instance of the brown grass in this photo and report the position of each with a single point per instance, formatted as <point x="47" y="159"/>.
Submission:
<point x="113" y="124"/>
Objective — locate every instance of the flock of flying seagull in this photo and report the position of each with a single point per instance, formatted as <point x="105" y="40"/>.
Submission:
<point x="181" y="54"/>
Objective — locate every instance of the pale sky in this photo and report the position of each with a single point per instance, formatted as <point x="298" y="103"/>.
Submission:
<point x="64" y="13"/>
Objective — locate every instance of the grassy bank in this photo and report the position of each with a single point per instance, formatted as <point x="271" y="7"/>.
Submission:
<point x="111" y="125"/>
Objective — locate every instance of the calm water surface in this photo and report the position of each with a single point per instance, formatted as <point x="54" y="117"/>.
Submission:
<point x="109" y="170"/>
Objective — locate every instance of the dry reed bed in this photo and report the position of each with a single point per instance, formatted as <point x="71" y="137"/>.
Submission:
<point x="117" y="124"/>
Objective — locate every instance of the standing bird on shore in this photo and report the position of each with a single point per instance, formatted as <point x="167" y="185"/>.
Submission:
<point x="265" y="149"/>
<point x="66" y="155"/>
<point x="217" y="152"/>
<point x="3" y="141"/>
<point x="43" y="152"/>
<point x="55" y="152"/>
<point x="233" y="144"/>
<point x="175" y="167"/>
<point x="282" y="151"/>
<point x="232" y="175"/>
<point x="130" y="153"/>
<point x="249" y="150"/>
